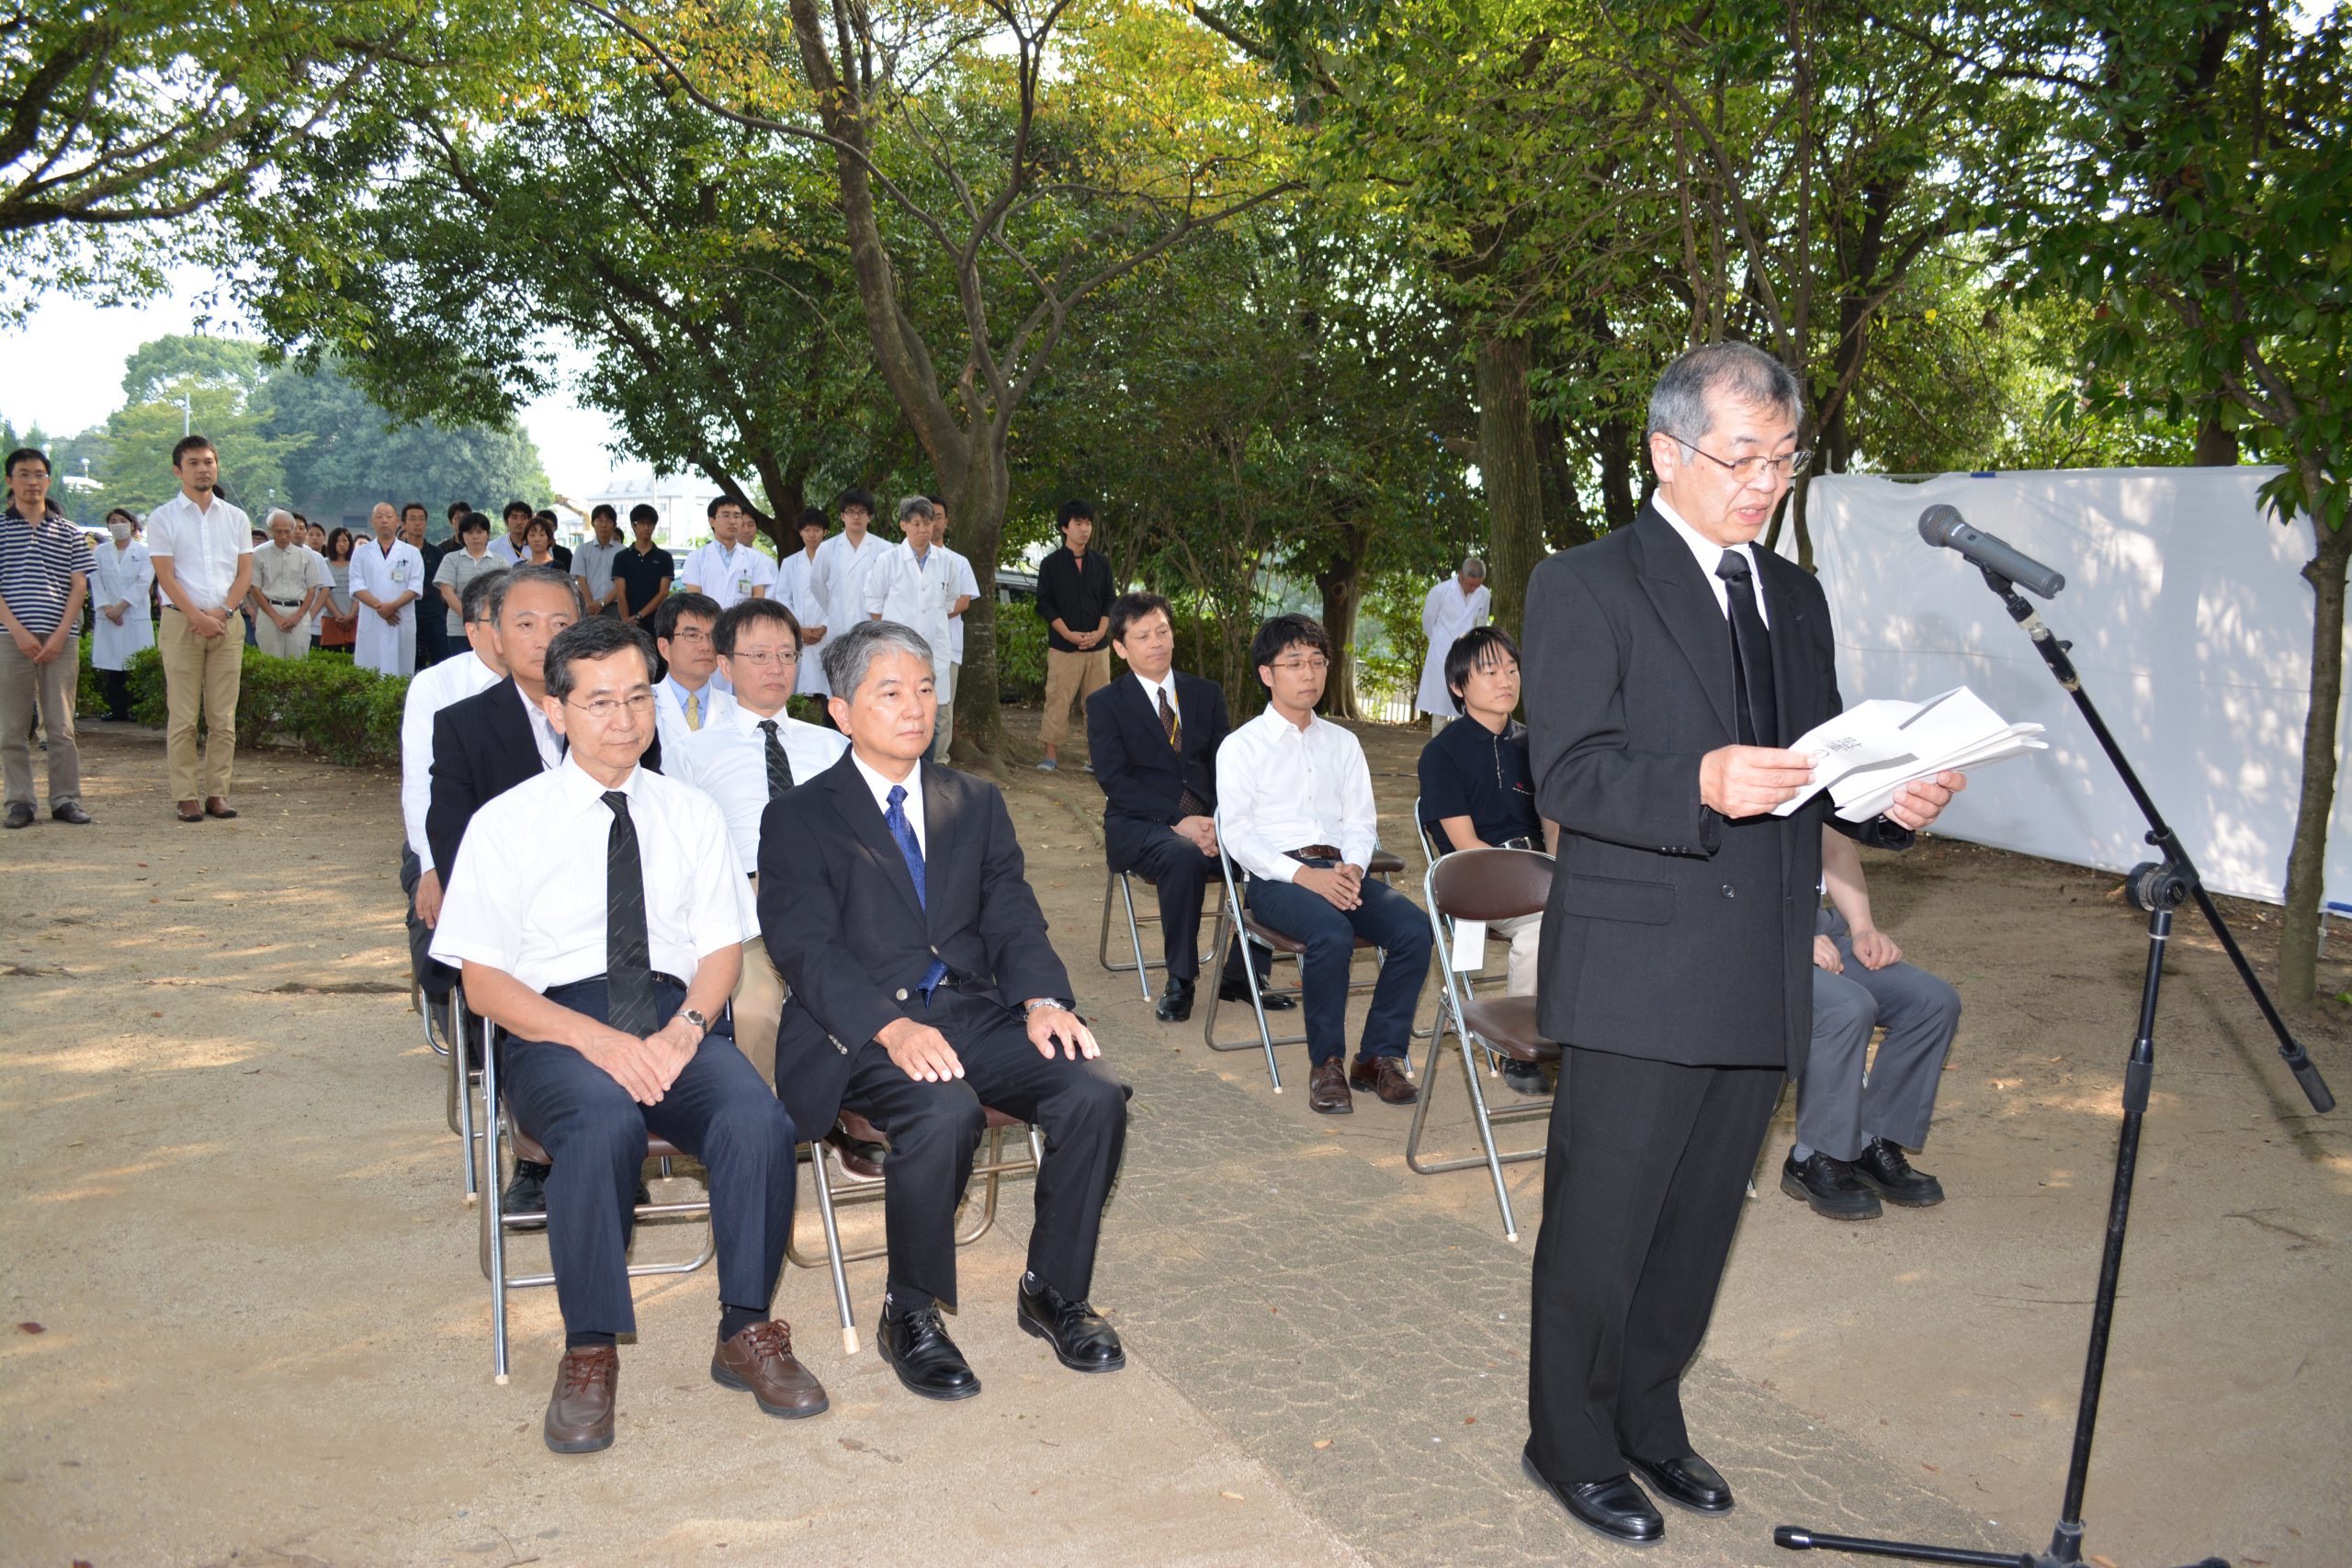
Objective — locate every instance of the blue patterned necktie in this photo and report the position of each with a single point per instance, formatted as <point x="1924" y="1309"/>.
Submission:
<point x="903" y="830"/>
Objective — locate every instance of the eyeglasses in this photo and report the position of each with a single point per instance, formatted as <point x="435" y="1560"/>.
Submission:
<point x="689" y="633"/>
<point x="776" y="661"/>
<point x="603" y="710"/>
<point x="1314" y="662"/>
<point x="1749" y="470"/>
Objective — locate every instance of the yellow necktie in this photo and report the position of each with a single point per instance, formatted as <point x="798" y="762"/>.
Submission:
<point x="694" y="710"/>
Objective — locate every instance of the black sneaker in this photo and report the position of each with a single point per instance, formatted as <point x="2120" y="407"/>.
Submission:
<point x="1827" y="1184"/>
<point x="1884" y="1165"/>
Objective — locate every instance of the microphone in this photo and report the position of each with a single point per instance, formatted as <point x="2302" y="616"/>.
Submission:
<point x="1944" y="526"/>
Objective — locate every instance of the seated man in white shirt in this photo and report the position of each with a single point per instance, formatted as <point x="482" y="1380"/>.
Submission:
<point x="689" y="697"/>
<point x="744" y="759"/>
<point x="1294" y="810"/>
<point x="430" y="691"/>
<point x="599" y="919"/>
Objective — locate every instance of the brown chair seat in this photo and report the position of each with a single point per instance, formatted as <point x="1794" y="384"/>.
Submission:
<point x="1280" y="941"/>
<point x="865" y="1131"/>
<point x="528" y="1147"/>
<point x="1507" y="1023"/>
<point x="1384" y="863"/>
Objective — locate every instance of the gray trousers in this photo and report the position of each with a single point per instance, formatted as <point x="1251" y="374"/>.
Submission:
<point x="26" y="688"/>
<point x="1836" y="1101"/>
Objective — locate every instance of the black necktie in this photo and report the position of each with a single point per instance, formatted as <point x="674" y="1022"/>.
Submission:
<point x="779" y="765"/>
<point x="1751" y="656"/>
<point x="628" y="966"/>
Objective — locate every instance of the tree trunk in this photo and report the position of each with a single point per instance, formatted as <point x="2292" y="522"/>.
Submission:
<point x="1341" y="583"/>
<point x="976" y="502"/>
<point x="1619" y="469"/>
<point x="2217" y="444"/>
<point x="1512" y="474"/>
<point x="2306" y="860"/>
<point x="1563" y="506"/>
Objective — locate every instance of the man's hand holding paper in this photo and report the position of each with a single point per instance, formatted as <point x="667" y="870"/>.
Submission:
<point x="1748" y="781"/>
<point x="1904" y="760"/>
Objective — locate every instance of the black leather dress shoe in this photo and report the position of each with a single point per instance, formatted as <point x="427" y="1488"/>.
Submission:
<point x="917" y="1346"/>
<point x="1081" y="1340"/>
<point x="71" y="812"/>
<point x="1689" y="1480"/>
<point x="1827" y="1184"/>
<point x="1525" y="1077"/>
<point x="1175" y="1002"/>
<point x="1239" y="991"/>
<point x="1614" y="1507"/>
<point x="1884" y="1166"/>
<point x="526" y="1193"/>
<point x="20" y="814"/>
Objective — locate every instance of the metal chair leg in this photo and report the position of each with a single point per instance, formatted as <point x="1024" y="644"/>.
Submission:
<point x="494" y="1218"/>
<point x="833" y="1249"/>
<point x="461" y="1099"/>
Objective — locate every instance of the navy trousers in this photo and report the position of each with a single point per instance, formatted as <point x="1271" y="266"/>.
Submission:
<point x="718" y="1110"/>
<point x="1386" y="919"/>
<point x="1179" y="874"/>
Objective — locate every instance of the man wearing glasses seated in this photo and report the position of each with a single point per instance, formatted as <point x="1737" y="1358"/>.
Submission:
<point x="1296" y="813"/>
<point x="599" y="918"/>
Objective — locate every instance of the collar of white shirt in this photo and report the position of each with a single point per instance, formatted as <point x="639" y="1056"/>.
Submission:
<point x="581" y="790"/>
<point x="882" y="788"/>
<point x="1709" y="555"/>
<point x="551" y="745"/>
<point x="1151" y="690"/>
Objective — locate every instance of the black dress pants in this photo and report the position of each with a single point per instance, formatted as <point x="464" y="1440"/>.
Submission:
<point x="1179" y="874"/>
<point x="1644" y="1173"/>
<point x="719" y="1111"/>
<point x="933" y="1128"/>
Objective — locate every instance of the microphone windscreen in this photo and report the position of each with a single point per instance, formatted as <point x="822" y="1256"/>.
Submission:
<point x="1938" y="524"/>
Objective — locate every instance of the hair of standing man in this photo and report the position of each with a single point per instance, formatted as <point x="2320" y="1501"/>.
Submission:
<point x="855" y="497"/>
<point x="718" y="501"/>
<point x="745" y="613"/>
<point x="598" y="637"/>
<point x="849" y="656"/>
<point x="1071" y="512"/>
<point x="512" y="508"/>
<point x="1282" y="633"/>
<point x="34" y="454"/>
<point x="811" y="517"/>
<point x="603" y="509"/>
<point x="1480" y="647"/>
<point x="277" y="512"/>
<point x="645" y="512"/>
<point x="1740" y="371"/>
<point x="458" y="510"/>
<point x="1473" y="568"/>
<point x="1129" y="608"/>
<point x="914" y="506"/>
<point x="413" y="506"/>
<point x="473" y="599"/>
<point x="677" y="606"/>
<point x="185" y="444"/>
<point x="505" y="583"/>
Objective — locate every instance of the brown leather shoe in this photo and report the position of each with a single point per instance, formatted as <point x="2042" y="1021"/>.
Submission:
<point x="1383" y="1076"/>
<point x="1327" y="1090"/>
<point x="760" y="1359"/>
<point x="216" y="806"/>
<point x="580" y="1416"/>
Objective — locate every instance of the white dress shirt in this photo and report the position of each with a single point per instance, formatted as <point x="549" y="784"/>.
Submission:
<point x="961" y="585"/>
<point x="451" y="680"/>
<point x="528" y="896"/>
<point x="506" y="549"/>
<point x="1151" y="690"/>
<point x="911" y="805"/>
<point x="728" y="760"/>
<point x="551" y="745"/>
<point x="1710" y="556"/>
<point x="796" y="587"/>
<point x="915" y="592"/>
<point x="1281" y="788"/>
<point x="728" y="574"/>
<point x="202" y="547"/>
<point x="670" y="710"/>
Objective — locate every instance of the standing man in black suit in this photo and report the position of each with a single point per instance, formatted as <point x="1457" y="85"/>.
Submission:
<point x="1667" y="664"/>
<point x="921" y="988"/>
<point x="1155" y="739"/>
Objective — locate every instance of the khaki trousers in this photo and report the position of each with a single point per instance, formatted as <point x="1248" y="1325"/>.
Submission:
<point x="1071" y="676"/>
<point x="758" y="1002"/>
<point x="201" y="679"/>
<point x="295" y="644"/>
<point x="27" y="687"/>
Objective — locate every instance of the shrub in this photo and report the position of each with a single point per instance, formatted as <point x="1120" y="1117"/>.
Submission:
<point x="329" y="706"/>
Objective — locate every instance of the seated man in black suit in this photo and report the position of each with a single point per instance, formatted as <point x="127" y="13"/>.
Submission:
<point x="921" y="988"/>
<point x="600" y="918"/>
<point x="1155" y="739"/>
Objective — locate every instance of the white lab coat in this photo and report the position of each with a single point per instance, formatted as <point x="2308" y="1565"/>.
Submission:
<point x="838" y="581"/>
<point x="794" y="589"/>
<point x="918" y="594"/>
<point x="118" y="576"/>
<point x="1446" y="614"/>
<point x="386" y="649"/>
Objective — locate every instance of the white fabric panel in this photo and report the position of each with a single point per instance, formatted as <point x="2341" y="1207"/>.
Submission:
<point x="2190" y="625"/>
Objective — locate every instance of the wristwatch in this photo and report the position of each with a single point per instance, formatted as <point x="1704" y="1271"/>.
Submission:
<point x="701" y="1024"/>
<point x="1043" y="1002"/>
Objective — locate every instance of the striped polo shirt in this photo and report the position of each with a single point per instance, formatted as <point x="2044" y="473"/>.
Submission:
<point x="38" y="561"/>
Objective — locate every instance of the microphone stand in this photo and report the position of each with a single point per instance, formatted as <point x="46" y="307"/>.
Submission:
<point x="2159" y="888"/>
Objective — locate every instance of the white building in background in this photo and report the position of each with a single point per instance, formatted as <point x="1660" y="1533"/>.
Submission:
<point x="684" y="501"/>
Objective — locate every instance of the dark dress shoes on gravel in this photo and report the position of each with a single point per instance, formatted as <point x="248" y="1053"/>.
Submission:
<point x="916" y="1346"/>
<point x="1689" y="1482"/>
<point x="526" y="1193"/>
<point x="1885" y="1168"/>
<point x="760" y="1362"/>
<point x="1327" y="1088"/>
<point x="580" y="1414"/>
<point x="1239" y="991"/>
<point x="1613" y="1507"/>
<point x="20" y="814"/>
<point x="1829" y="1185"/>
<point x="1383" y="1076"/>
<point x="71" y="812"/>
<point x="1081" y="1340"/>
<point x="1175" y="1002"/>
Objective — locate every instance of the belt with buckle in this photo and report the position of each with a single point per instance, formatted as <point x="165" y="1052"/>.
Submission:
<point x="1314" y="851"/>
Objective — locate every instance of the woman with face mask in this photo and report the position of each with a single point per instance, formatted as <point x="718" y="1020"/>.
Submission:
<point x="122" y="586"/>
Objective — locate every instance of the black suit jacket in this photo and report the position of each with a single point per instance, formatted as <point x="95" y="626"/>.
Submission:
<point x="1143" y="777"/>
<point x="851" y="942"/>
<point x="482" y="747"/>
<point x="1672" y="933"/>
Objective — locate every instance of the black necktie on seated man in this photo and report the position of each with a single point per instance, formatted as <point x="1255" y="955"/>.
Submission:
<point x="1751" y="656"/>
<point x="629" y="964"/>
<point x="1191" y="805"/>
<point x="779" y="765"/>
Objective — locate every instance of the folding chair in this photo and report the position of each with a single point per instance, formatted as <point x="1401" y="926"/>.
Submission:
<point x="462" y="1076"/>
<point x="1256" y="932"/>
<point x="1117" y="881"/>
<point x="502" y="1135"/>
<point x="1483" y="885"/>
<point x="990" y="1164"/>
<point x="1430" y="854"/>
<point x="434" y="1041"/>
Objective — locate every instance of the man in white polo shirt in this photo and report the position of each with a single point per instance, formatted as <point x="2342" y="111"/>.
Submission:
<point x="202" y="549"/>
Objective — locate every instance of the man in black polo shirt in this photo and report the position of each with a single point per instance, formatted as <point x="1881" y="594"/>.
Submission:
<point x="1478" y="789"/>
<point x="1074" y="595"/>
<point x="642" y="570"/>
